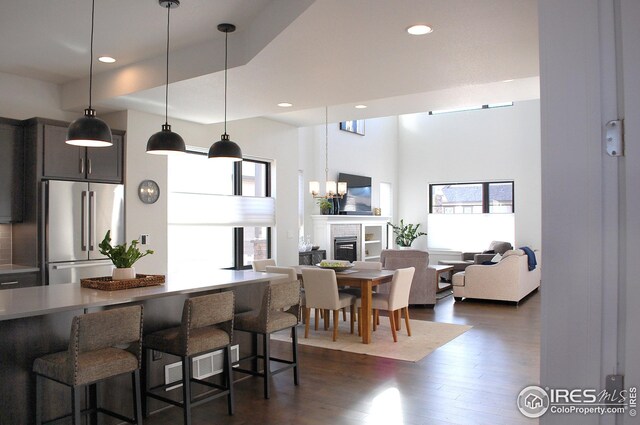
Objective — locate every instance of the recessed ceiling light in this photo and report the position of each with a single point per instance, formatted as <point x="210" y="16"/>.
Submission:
<point x="361" y="106"/>
<point x="419" y="29"/>
<point x="285" y="104"/>
<point x="106" y="59"/>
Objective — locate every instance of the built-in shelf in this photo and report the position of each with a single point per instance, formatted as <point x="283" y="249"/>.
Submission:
<point x="369" y="227"/>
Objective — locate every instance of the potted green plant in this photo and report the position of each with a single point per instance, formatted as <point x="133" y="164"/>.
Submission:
<point x="325" y="206"/>
<point x="122" y="257"/>
<point x="406" y="234"/>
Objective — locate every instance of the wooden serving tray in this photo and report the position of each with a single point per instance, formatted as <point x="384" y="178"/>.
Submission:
<point x="106" y="283"/>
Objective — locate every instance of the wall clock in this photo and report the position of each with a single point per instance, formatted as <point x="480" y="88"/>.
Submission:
<point x="148" y="191"/>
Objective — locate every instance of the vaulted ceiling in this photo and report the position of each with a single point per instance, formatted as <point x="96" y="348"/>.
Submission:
<point x="310" y="53"/>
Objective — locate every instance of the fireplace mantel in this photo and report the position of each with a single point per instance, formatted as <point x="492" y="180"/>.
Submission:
<point x="371" y="231"/>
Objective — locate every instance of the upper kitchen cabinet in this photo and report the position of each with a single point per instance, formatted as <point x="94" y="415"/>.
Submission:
<point x="11" y="171"/>
<point x="68" y="162"/>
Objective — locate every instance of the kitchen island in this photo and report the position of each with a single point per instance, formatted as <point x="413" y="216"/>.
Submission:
<point x="36" y="321"/>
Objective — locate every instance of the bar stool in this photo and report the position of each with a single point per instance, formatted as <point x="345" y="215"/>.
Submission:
<point x="207" y="325"/>
<point x="94" y="355"/>
<point x="280" y="310"/>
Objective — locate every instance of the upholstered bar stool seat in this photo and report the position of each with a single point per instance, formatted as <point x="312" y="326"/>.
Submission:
<point x="280" y="310"/>
<point x="207" y="326"/>
<point x="96" y="353"/>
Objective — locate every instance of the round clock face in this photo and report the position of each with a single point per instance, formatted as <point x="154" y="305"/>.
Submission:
<point x="148" y="191"/>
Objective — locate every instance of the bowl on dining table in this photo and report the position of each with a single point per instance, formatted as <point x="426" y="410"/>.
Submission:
<point x="334" y="265"/>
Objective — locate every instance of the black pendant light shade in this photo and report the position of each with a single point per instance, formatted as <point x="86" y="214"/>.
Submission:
<point x="224" y="148"/>
<point x="166" y="142"/>
<point x="89" y="130"/>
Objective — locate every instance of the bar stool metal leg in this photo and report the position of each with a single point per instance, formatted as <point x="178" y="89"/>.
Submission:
<point x="137" y="402"/>
<point x="294" y="343"/>
<point x="267" y="365"/>
<point x="229" y="380"/>
<point x="186" y="389"/>
<point x="75" y="405"/>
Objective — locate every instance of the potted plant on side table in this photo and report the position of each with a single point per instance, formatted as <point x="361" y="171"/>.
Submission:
<point x="406" y="234"/>
<point x="122" y="257"/>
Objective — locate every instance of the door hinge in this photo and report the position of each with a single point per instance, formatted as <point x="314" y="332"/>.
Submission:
<point x="614" y="138"/>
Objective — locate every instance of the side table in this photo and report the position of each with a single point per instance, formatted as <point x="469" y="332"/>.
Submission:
<point x="440" y="269"/>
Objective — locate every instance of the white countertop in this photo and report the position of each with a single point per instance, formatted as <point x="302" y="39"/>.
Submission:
<point x="15" y="268"/>
<point x="40" y="300"/>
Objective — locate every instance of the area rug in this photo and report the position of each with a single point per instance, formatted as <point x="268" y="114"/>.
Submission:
<point x="425" y="338"/>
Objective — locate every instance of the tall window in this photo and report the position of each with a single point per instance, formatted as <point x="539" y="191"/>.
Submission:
<point x="208" y="227"/>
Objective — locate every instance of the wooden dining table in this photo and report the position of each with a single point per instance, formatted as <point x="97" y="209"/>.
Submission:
<point x="365" y="280"/>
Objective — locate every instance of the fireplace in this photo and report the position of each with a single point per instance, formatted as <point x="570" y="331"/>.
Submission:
<point x="345" y="248"/>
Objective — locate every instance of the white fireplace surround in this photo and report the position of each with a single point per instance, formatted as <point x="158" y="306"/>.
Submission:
<point x="371" y="231"/>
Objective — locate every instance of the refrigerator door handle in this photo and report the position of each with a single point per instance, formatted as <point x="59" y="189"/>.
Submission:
<point x="92" y="220"/>
<point x="84" y="225"/>
<point x="80" y="265"/>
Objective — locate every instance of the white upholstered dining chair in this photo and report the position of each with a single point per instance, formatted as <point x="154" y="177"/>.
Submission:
<point x="261" y="265"/>
<point x="396" y="299"/>
<point x="321" y="292"/>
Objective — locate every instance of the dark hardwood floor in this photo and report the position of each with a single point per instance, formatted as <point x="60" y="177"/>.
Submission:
<point x="474" y="379"/>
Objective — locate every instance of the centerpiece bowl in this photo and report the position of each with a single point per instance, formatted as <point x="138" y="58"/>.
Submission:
<point x="337" y="266"/>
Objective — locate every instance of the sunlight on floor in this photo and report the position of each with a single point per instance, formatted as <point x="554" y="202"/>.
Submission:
<point x="386" y="408"/>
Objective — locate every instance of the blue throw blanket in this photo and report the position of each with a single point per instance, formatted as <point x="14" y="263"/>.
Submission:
<point x="532" y="263"/>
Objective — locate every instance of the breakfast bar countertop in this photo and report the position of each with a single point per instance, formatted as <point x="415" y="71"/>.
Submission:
<point x="15" y="268"/>
<point x="41" y="300"/>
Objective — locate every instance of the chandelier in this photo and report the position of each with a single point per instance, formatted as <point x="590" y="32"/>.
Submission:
<point x="332" y="190"/>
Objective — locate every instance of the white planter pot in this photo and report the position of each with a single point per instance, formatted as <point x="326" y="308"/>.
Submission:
<point x="404" y="247"/>
<point x="124" y="274"/>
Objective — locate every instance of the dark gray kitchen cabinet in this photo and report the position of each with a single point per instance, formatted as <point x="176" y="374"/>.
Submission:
<point x="11" y="172"/>
<point x="18" y="280"/>
<point x="68" y="162"/>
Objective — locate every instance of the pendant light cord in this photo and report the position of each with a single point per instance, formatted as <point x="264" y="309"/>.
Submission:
<point x="93" y="7"/>
<point x="326" y="143"/>
<point x="166" y="86"/>
<point x="226" y="48"/>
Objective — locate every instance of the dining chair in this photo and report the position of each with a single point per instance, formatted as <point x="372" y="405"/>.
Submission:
<point x="280" y="310"/>
<point x="207" y="326"/>
<point x="260" y="265"/>
<point x="355" y="290"/>
<point x="367" y="265"/>
<point x="103" y="345"/>
<point x="321" y="289"/>
<point x="396" y="300"/>
<point x="292" y="276"/>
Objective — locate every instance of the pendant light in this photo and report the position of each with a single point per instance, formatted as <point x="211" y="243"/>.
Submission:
<point x="166" y="142"/>
<point x="331" y="190"/>
<point x="224" y="148"/>
<point x="89" y="130"/>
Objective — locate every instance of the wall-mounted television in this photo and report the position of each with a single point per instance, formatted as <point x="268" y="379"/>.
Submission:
<point x="357" y="201"/>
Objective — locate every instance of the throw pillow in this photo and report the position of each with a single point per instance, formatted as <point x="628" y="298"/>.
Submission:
<point x="489" y="251"/>
<point x="496" y="258"/>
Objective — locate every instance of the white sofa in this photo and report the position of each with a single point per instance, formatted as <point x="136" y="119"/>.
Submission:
<point x="508" y="280"/>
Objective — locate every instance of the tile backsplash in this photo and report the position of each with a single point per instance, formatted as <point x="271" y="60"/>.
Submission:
<point x="5" y="244"/>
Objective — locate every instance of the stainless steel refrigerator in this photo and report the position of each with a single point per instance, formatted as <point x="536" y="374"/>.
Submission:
<point x="77" y="216"/>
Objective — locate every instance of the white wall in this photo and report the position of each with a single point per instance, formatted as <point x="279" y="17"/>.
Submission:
<point x="24" y="98"/>
<point x="262" y="138"/>
<point x="482" y="145"/>
<point x="258" y="138"/>
<point x="373" y="155"/>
